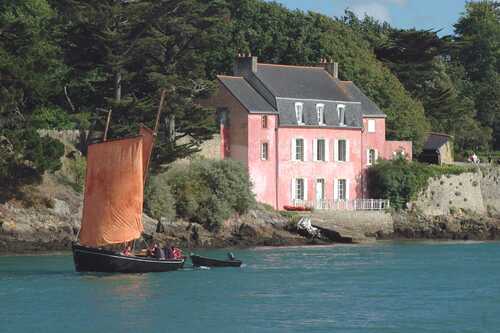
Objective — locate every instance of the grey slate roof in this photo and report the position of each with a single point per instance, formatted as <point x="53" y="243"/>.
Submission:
<point x="246" y="95"/>
<point x="436" y="141"/>
<point x="264" y="88"/>
<point x="299" y="82"/>
<point x="355" y="94"/>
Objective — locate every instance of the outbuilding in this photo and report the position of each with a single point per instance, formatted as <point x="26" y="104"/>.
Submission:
<point x="438" y="149"/>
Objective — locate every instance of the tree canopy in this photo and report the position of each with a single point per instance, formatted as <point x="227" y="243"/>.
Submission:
<point x="61" y="61"/>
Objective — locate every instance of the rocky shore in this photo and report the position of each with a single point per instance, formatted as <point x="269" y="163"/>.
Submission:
<point x="464" y="207"/>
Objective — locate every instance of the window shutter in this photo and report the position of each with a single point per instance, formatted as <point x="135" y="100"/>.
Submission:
<point x="294" y="148"/>
<point x="347" y="190"/>
<point x="376" y="155"/>
<point x="305" y="189"/>
<point x="315" y="150"/>
<point x="335" y="190"/>
<point x="327" y="150"/>
<point x="347" y="152"/>
<point x="305" y="150"/>
<point x="336" y="150"/>
<point x="368" y="156"/>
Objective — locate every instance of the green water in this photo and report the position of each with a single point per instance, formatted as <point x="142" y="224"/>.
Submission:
<point x="386" y="287"/>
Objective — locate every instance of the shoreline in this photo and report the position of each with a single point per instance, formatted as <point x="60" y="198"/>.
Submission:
<point x="291" y="246"/>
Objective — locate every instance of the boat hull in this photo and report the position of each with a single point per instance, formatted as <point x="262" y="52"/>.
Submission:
<point x="208" y="262"/>
<point x="88" y="259"/>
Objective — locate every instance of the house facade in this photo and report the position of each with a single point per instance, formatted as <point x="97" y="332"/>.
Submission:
<point x="306" y="137"/>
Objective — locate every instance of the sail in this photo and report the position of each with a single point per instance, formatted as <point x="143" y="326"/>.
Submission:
<point x="147" y="147"/>
<point x="112" y="210"/>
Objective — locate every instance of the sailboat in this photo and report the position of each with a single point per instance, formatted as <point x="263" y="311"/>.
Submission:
<point x="113" y="204"/>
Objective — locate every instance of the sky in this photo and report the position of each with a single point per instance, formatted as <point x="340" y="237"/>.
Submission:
<point x="421" y="14"/>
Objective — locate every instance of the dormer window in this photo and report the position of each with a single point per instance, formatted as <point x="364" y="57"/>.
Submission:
<point x="320" y="110"/>
<point x="299" y="114"/>
<point x="341" y="114"/>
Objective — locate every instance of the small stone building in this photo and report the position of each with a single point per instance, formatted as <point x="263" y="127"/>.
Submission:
<point x="438" y="149"/>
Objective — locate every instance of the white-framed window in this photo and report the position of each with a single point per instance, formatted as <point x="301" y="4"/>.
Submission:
<point x="320" y="150"/>
<point x="341" y="114"/>
<point x="342" y="189"/>
<point x="342" y="150"/>
<point x="298" y="149"/>
<point x="371" y="125"/>
<point x="264" y="151"/>
<point x="264" y="121"/>
<point x="299" y="107"/>
<point x="372" y="156"/>
<point x="320" y="112"/>
<point x="299" y="189"/>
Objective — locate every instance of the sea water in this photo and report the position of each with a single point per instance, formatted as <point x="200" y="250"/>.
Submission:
<point x="384" y="287"/>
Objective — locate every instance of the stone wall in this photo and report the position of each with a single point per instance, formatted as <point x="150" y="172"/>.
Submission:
<point x="477" y="192"/>
<point x="360" y="225"/>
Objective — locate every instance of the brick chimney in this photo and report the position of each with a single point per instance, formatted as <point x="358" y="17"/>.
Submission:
<point x="330" y="66"/>
<point x="245" y="64"/>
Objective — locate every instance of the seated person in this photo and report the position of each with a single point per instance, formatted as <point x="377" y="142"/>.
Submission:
<point x="158" y="253"/>
<point x="230" y="255"/>
<point x="127" y="251"/>
<point x="176" y="253"/>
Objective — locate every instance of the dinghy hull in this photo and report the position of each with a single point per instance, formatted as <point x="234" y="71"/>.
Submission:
<point x="88" y="259"/>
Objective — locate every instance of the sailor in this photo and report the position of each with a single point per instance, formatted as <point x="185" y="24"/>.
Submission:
<point x="230" y="255"/>
<point x="158" y="252"/>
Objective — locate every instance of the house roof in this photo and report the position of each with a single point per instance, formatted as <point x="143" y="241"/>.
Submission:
<point x="269" y="88"/>
<point x="299" y="82"/>
<point x="246" y="94"/>
<point x="369" y="108"/>
<point x="436" y="141"/>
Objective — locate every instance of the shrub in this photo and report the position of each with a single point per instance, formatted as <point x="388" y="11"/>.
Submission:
<point x="25" y="156"/>
<point x="209" y="192"/>
<point x="158" y="199"/>
<point x="53" y="118"/>
<point x="74" y="172"/>
<point x="401" y="181"/>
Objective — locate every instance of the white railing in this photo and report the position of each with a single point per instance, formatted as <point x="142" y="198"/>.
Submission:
<point x="357" y="204"/>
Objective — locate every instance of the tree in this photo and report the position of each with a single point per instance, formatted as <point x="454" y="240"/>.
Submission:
<point x="26" y="46"/>
<point x="478" y="37"/>
<point x="123" y="52"/>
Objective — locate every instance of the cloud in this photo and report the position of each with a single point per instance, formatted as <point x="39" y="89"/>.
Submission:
<point x="373" y="9"/>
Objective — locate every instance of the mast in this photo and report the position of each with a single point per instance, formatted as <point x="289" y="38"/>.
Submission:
<point x="147" y="133"/>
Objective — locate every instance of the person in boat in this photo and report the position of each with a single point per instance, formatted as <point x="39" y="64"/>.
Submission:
<point x="168" y="252"/>
<point x="230" y="256"/>
<point x="127" y="251"/>
<point x="158" y="252"/>
<point x="176" y="253"/>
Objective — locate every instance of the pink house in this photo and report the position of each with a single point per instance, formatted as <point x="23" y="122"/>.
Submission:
<point x="306" y="137"/>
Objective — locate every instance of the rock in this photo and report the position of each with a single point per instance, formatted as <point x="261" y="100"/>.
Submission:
<point x="61" y="208"/>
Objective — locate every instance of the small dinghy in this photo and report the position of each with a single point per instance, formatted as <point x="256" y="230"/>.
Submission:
<point x="199" y="261"/>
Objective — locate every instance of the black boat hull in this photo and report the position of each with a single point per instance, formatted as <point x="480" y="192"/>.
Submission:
<point x="208" y="262"/>
<point x="88" y="259"/>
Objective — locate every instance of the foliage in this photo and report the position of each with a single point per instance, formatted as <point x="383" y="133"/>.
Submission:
<point x="26" y="46"/>
<point x="73" y="172"/>
<point x="24" y="157"/>
<point x="158" y="199"/>
<point x="209" y="192"/>
<point x="401" y="181"/>
<point x="52" y="118"/>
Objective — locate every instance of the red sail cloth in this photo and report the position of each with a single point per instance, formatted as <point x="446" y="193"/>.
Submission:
<point x="112" y="210"/>
<point x="148" y="139"/>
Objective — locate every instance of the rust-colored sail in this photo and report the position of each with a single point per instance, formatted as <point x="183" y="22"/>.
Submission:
<point x="112" y="211"/>
<point x="147" y="147"/>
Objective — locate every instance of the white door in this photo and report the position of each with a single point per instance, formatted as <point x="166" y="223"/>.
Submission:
<point x="320" y="193"/>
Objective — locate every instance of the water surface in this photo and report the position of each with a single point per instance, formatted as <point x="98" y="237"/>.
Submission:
<point x="385" y="287"/>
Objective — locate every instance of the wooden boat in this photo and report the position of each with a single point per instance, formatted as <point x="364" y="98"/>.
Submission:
<point x="113" y="203"/>
<point x="88" y="259"/>
<point x="209" y="262"/>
